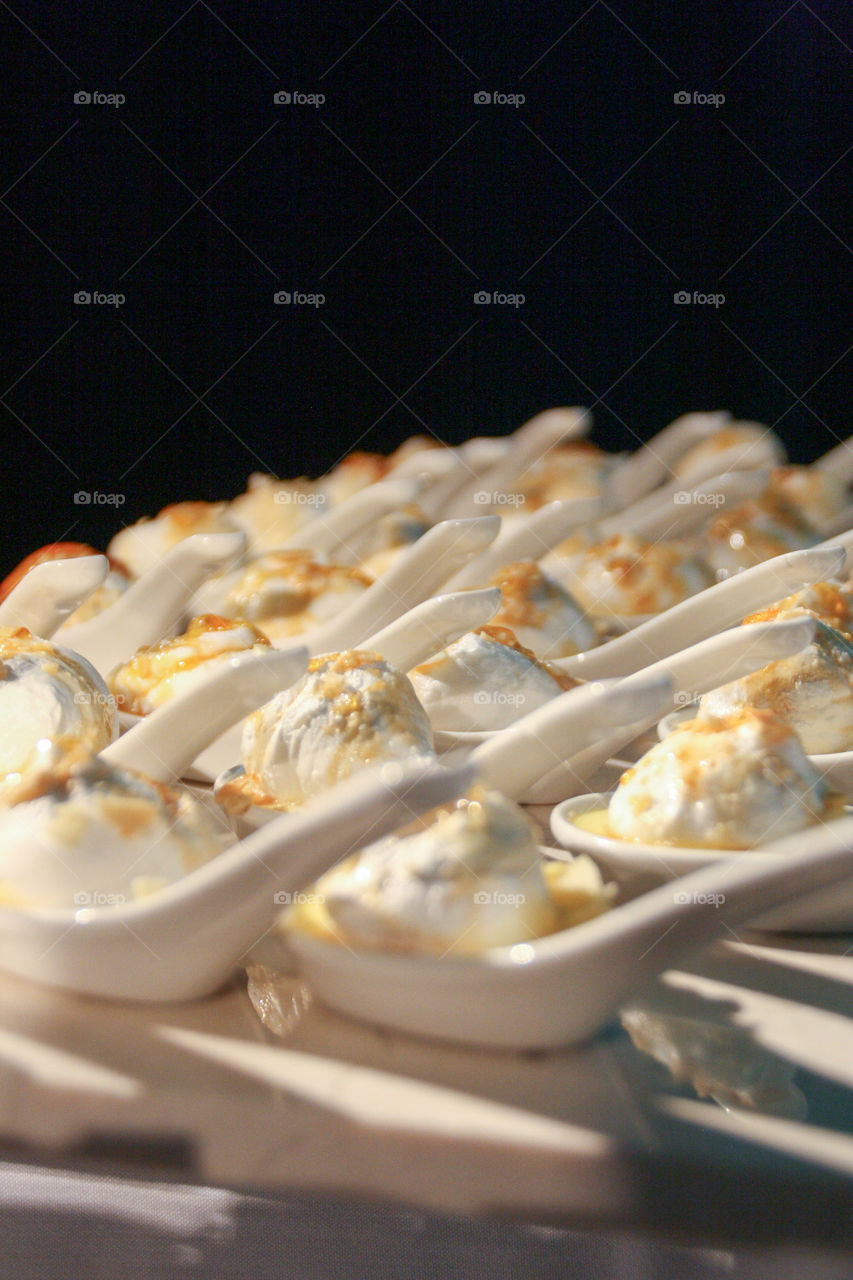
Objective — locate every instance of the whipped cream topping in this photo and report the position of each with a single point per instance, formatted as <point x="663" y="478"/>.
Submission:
<point x="285" y="593"/>
<point x="140" y="546"/>
<point x="271" y="511"/>
<point x="96" y="835"/>
<point x="158" y="673"/>
<point x="577" y="469"/>
<point x="756" y="446"/>
<point x="485" y="680"/>
<point x="811" y="691"/>
<point x="625" y="576"/>
<point x="728" y="783"/>
<point x="48" y="696"/>
<point x="751" y="532"/>
<point x="541" y="612"/>
<point x="470" y="880"/>
<point x="829" y="601"/>
<point x="349" y="711"/>
<point x="815" y="495"/>
<point x="354" y="472"/>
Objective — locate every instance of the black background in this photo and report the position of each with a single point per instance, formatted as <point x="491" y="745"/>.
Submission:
<point x="398" y="199"/>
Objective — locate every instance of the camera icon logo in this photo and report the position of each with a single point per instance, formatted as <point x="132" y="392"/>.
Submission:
<point x="481" y="698"/>
<point x="682" y="298"/>
<point x="82" y="298"/>
<point x="82" y="98"/>
<point x="82" y="499"/>
<point x="682" y="98"/>
<point x="282" y="98"/>
<point x="82" y="898"/>
<point x="482" y="899"/>
<point x="281" y="899"/>
<point x="482" y="97"/>
<point x="282" y="299"/>
<point x="681" y="898"/>
<point x="482" y="298"/>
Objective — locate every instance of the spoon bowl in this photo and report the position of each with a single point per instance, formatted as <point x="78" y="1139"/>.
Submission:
<point x="559" y="990"/>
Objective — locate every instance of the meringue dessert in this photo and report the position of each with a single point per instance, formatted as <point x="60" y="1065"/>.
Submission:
<point x="471" y="880"/>
<point x="389" y="537"/>
<point x="732" y="782"/>
<point x="349" y="711"/>
<point x="141" y="545"/>
<point x="811" y="691"/>
<point x="816" y="495"/>
<point x="625" y="576"/>
<point x="751" y="532"/>
<point x="48" y="697"/>
<point x="157" y="673"/>
<point x="271" y="511"/>
<point x="540" y="612"/>
<point x="485" y="680"/>
<point x="93" y="835"/>
<point x="576" y="469"/>
<point x="755" y="445"/>
<point x="285" y="593"/>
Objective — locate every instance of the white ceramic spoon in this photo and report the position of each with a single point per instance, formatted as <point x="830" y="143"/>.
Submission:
<point x="165" y="743"/>
<point x="712" y="610"/>
<point x="50" y="592"/>
<point x="653" y="461"/>
<point x="415" y="575"/>
<point x="330" y="532"/>
<point x="527" y="445"/>
<point x="527" y="538"/>
<point x="656" y="862"/>
<point x="677" y="509"/>
<point x="467" y="462"/>
<point x="512" y="760"/>
<point x="184" y="940"/>
<point x="694" y="671"/>
<point x="406" y="642"/>
<point x="559" y="990"/>
<point x="152" y="605"/>
<point x="431" y="626"/>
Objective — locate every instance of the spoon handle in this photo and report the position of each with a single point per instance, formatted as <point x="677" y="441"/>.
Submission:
<point x="50" y="592"/>
<point x="416" y="575"/>
<point x="153" y="604"/>
<point x="165" y="743"/>
<point x="712" y="610"/>
<point x="513" y="759"/>
<point x="428" y="628"/>
<point x="529" y="539"/>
